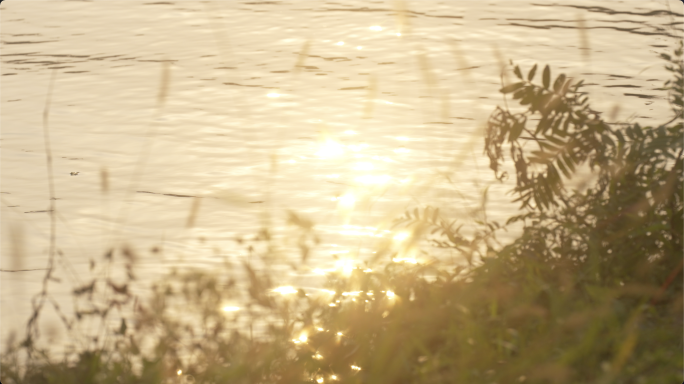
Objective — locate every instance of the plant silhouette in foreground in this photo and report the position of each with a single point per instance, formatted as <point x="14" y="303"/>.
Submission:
<point x="588" y="293"/>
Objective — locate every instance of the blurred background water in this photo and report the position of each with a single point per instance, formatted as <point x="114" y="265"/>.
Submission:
<point x="344" y="112"/>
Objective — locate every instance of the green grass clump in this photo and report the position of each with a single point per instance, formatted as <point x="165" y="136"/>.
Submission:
<point x="590" y="292"/>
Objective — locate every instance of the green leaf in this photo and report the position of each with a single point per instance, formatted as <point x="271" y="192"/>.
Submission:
<point x="546" y="193"/>
<point x="544" y="123"/>
<point x="560" y="80"/>
<point x="519" y="93"/>
<point x="553" y="178"/>
<point x="516" y="130"/>
<point x="527" y="99"/>
<point x="566" y="86"/>
<point x="546" y="77"/>
<point x="566" y="125"/>
<point x="517" y="72"/>
<point x="530" y="75"/>
<point x="511" y="87"/>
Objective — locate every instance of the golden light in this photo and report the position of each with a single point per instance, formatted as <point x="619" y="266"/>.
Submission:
<point x="355" y="367"/>
<point x="359" y="47"/>
<point x="350" y="132"/>
<point x="402" y="150"/>
<point x="285" y="290"/>
<point x="303" y="337"/>
<point x="361" y="231"/>
<point x="179" y="372"/>
<point x="401" y="236"/>
<point x="409" y="260"/>
<point x="376" y="28"/>
<point x="372" y="179"/>
<point x="332" y="176"/>
<point x="398" y="34"/>
<point x="333" y="377"/>
<point x="346" y="201"/>
<point x="365" y="166"/>
<point x="402" y="138"/>
<point x="319" y="380"/>
<point x="330" y="148"/>
<point x="339" y="334"/>
<point x="317" y="356"/>
<point x="390" y="294"/>
<point x="230" y="309"/>
<point x="345" y="265"/>
<point x="340" y="43"/>
<point x="273" y="95"/>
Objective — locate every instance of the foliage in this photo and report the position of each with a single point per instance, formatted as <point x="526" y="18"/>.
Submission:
<point x="586" y="293"/>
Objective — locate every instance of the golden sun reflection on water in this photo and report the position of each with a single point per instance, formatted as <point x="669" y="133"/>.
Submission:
<point x="353" y="230"/>
<point x="401" y="236"/>
<point x="285" y="290"/>
<point x="330" y="148"/>
<point x="346" y="202"/>
<point x="364" y="166"/>
<point x="373" y="179"/>
<point x="409" y="260"/>
<point x="346" y="266"/>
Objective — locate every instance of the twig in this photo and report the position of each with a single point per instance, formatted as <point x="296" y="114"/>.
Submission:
<point x="23" y="270"/>
<point x="51" y="188"/>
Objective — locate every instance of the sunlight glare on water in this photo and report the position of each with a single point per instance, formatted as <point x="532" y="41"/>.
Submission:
<point x="286" y="290"/>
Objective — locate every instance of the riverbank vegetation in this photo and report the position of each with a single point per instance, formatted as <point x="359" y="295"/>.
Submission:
<point x="590" y="291"/>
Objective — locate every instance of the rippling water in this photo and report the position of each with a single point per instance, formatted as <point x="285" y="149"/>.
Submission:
<point x="340" y="111"/>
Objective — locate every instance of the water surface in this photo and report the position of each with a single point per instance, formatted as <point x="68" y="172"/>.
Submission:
<point x="339" y="111"/>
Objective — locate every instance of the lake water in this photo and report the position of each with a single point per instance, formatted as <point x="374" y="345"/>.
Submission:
<point x="340" y="111"/>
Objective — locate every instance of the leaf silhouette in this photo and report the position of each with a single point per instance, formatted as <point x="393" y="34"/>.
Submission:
<point x="546" y="77"/>
<point x="532" y="72"/>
